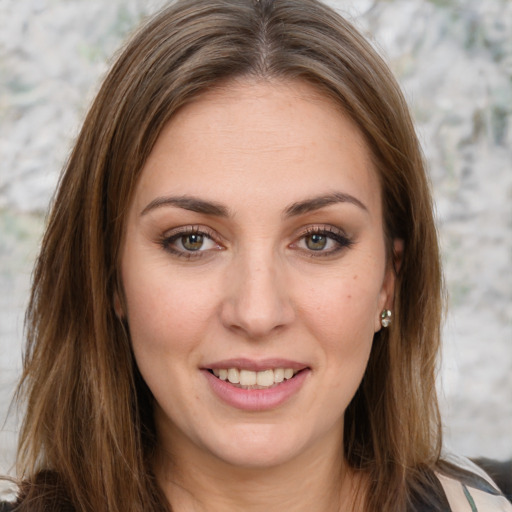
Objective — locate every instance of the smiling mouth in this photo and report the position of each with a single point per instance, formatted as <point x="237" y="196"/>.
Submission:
<point x="248" y="379"/>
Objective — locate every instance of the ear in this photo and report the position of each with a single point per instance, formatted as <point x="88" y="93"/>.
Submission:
<point x="398" y="255"/>
<point x="387" y="291"/>
<point x="118" y="306"/>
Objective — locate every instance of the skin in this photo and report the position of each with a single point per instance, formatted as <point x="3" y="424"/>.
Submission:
<point x="258" y="287"/>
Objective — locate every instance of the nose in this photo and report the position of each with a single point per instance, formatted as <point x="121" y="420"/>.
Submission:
<point x="257" y="301"/>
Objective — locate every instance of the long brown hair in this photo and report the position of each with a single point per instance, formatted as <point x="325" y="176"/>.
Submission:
<point x="88" y="434"/>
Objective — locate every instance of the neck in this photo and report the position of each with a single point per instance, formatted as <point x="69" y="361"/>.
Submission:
<point x="206" y="483"/>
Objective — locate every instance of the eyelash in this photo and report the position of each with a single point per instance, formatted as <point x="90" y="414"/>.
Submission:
<point x="167" y="241"/>
<point x="330" y="232"/>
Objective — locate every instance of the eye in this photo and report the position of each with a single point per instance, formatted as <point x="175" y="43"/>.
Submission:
<point x="189" y="242"/>
<point x="317" y="242"/>
<point x="194" y="242"/>
<point x="323" y="240"/>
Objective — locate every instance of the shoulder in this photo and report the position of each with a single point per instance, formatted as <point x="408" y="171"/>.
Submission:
<point x="44" y="492"/>
<point x="8" y="493"/>
<point x="469" y="489"/>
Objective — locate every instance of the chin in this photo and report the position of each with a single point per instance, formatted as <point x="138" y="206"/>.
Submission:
<point x="259" y="458"/>
<point x="259" y="447"/>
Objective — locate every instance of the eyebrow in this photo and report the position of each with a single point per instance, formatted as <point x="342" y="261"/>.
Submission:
<point x="192" y="204"/>
<point x="316" y="203"/>
<point x="197" y="205"/>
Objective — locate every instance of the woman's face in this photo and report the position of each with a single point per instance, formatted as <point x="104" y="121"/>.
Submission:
<point x="254" y="274"/>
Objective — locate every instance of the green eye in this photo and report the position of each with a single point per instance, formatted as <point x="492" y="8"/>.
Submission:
<point x="192" y="241"/>
<point x="316" y="242"/>
<point x="322" y="241"/>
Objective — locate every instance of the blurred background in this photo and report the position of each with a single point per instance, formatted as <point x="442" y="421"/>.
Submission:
<point x="454" y="61"/>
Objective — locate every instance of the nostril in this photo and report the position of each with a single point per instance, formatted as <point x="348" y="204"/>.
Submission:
<point x="256" y="305"/>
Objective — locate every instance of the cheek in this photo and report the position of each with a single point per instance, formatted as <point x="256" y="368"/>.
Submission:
<point x="344" y="323"/>
<point x="345" y="304"/>
<point x="165" y="311"/>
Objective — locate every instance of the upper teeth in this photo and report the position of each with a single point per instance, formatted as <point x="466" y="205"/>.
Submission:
<point x="264" y="378"/>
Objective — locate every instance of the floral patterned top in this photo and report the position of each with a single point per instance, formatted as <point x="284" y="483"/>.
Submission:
<point x="472" y="491"/>
<point x="476" y="496"/>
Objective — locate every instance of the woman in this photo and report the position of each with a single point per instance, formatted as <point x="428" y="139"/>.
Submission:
<point x="239" y="288"/>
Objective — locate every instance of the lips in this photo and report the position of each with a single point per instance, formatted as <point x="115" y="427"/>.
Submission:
<point x="256" y="385"/>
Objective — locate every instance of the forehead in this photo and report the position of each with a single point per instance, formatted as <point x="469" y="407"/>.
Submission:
<point x="262" y="138"/>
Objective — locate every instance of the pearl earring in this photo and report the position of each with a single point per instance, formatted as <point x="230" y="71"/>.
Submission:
<point x="385" y="318"/>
